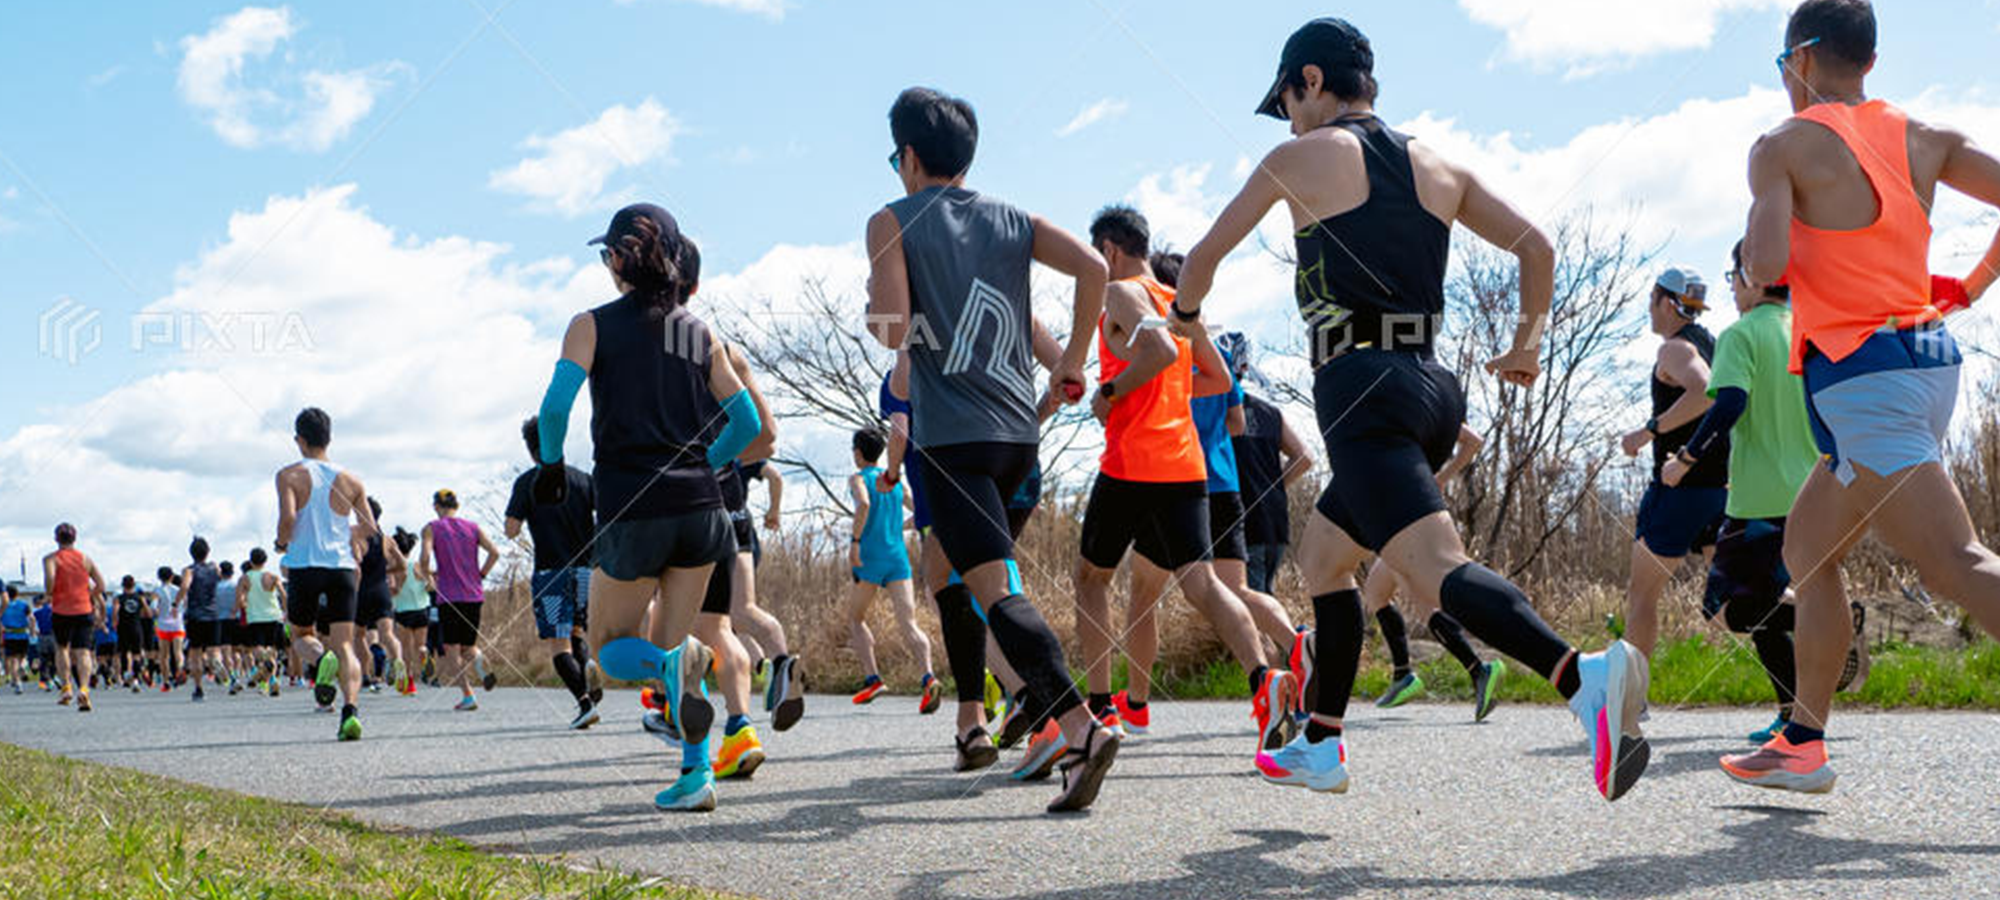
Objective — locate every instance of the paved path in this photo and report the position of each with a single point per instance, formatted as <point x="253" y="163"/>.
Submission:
<point x="862" y="803"/>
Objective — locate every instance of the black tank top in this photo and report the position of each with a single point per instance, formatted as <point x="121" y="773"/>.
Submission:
<point x="650" y="417"/>
<point x="1712" y="470"/>
<point x="201" y="593"/>
<point x="1374" y="275"/>
<point x="375" y="567"/>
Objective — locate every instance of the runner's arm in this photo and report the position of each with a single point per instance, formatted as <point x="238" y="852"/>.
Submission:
<point x="888" y="281"/>
<point x="1048" y="350"/>
<point x="1767" y="245"/>
<point x="572" y="370"/>
<point x="858" y="492"/>
<point x="424" y="559"/>
<point x="1498" y="223"/>
<point x="1066" y="253"/>
<point x="1148" y="351"/>
<point x="1297" y="456"/>
<point x="398" y="564"/>
<point x="766" y="441"/>
<point x="1259" y="193"/>
<point x="1469" y="444"/>
<point x="1975" y="173"/>
<point x="1211" y="373"/>
<point x="1235" y="419"/>
<point x="737" y="403"/>
<point x="1682" y="367"/>
<point x="288" y="512"/>
<point x="774" y="483"/>
<point x="364" y="517"/>
<point x="492" y="552"/>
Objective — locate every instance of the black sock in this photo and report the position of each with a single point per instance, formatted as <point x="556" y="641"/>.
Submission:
<point x="1774" y="651"/>
<point x="1452" y="638"/>
<point x="1317" y="732"/>
<point x="1568" y="681"/>
<point x="1395" y="636"/>
<point x="571" y="673"/>
<point x="346" y="710"/>
<point x="964" y="642"/>
<point x="1800" y="734"/>
<point x="1338" y="654"/>
<point x="1257" y="678"/>
<point x="1136" y="705"/>
<point x="1099" y="704"/>
<point x="1494" y="609"/>
<point x="1032" y="648"/>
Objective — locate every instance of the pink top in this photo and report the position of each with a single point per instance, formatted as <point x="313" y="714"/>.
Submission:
<point x="455" y="553"/>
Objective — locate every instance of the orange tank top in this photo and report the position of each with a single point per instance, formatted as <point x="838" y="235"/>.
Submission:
<point x="1846" y="285"/>
<point x="1150" y="435"/>
<point x="69" y="595"/>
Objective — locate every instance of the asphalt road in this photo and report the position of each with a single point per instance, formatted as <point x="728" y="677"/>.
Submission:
<point x="862" y="802"/>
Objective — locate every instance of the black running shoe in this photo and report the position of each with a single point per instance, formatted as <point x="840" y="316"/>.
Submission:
<point x="789" y="689"/>
<point x="1854" y="672"/>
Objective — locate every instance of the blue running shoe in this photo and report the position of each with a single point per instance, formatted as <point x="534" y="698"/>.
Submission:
<point x="1320" y="767"/>
<point x="692" y="792"/>
<point x="1610" y="696"/>
<point x="687" y="697"/>
<point x="1764" y="735"/>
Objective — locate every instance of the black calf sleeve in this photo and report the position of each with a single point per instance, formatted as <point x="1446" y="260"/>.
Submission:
<point x="1337" y="654"/>
<point x="964" y="642"/>
<point x="1749" y="615"/>
<point x="1395" y="636"/>
<point x="1497" y="612"/>
<point x="571" y="673"/>
<point x="1774" y="650"/>
<point x="1452" y="637"/>
<point x="1032" y="649"/>
<point x="579" y="648"/>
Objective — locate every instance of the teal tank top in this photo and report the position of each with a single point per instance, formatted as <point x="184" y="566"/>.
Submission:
<point x="882" y="535"/>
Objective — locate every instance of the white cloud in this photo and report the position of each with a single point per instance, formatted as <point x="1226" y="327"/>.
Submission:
<point x="105" y="77"/>
<point x="310" y="110"/>
<point x="1107" y="108"/>
<point x="569" y="170"/>
<point x="1587" y="36"/>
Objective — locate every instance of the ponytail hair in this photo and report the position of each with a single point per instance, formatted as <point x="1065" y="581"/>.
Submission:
<point x="653" y="264"/>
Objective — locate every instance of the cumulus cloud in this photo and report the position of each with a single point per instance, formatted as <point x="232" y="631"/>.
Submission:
<point x="1587" y="36"/>
<point x="1107" y="108"/>
<point x="569" y="170"/>
<point x="310" y="110"/>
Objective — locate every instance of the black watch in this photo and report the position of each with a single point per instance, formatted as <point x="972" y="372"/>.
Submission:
<point x="1108" y="390"/>
<point x="1182" y="314"/>
<point x="1653" y="426"/>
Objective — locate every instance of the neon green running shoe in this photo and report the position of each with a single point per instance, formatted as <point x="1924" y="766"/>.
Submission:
<point x="1486" y="687"/>
<point x="994" y="698"/>
<point x="350" y="728"/>
<point x="1402" y="691"/>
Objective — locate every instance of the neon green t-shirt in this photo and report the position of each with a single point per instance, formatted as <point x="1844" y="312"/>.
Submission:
<point x="1771" y="449"/>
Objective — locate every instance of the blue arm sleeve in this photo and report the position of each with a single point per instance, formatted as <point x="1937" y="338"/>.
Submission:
<point x="743" y="426"/>
<point x="554" y="416"/>
<point x="1728" y="407"/>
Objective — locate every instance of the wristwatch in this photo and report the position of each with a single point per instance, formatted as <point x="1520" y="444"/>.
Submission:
<point x="1182" y="314"/>
<point x="1108" y="390"/>
<point x="1686" y="458"/>
<point x="1653" y="426"/>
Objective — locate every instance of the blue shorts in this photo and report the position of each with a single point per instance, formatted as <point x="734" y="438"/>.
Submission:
<point x="913" y="475"/>
<point x="1888" y="405"/>
<point x="1676" y="521"/>
<point x="882" y="572"/>
<point x="562" y="602"/>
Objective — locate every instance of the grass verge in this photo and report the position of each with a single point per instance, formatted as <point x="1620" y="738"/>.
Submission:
<point x="77" y="829"/>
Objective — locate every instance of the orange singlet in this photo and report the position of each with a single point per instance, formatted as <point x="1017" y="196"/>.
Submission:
<point x="1846" y="285"/>
<point x="70" y="594"/>
<point x="1150" y="435"/>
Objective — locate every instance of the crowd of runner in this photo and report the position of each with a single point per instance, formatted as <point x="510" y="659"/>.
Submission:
<point x="1815" y="417"/>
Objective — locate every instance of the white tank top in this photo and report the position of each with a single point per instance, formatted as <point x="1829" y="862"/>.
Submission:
<point x="320" y="539"/>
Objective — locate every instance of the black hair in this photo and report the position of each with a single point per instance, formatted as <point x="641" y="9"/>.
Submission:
<point x="65" y="534"/>
<point x="869" y="443"/>
<point x="257" y="557"/>
<point x="198" y="548"/>
<point x="128" y="581"/>
<point x="375" y="510"/>
<point x="405" y="540"/>
<point x="1353" y="81"/>
<point x="531" y="434"/>
<point x="1123" y="227"/>
<point x="227" y="568"/>
<point x="652" y="262"/>
<point x="165" y="574"/>
<point x="314" y="427"/>
<point x="1845" y="29"/>
<point x="1167" y="267"/>
<point x="1773" y="291"/>
<point x="942" y="130"/>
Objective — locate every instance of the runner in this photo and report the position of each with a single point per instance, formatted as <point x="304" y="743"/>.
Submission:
<point x="413" y="614"/>
<point x="76" y="607"/>
<point x="198" y="586"/>
<point x="149" y="639"/>
<point x="129" y="624"/>
<point x="946" y="264"/>
<point x="561" y="582"/>
<point x="45" y="642"/>
<point x="1673" y="521"/>
<point x="1373" y="212"/>
<point x="167" y="618"/>
<point x="1840" y="212"/>
<point x="1378" y="595"/>
<point x="17" y="623"/>
<point x="321" y="507"/>
<point x="263" y="604"/>
<point x="381" y="567"/>
<point x="451" y="559"/>
<point x="232" y="631"/>
<point x="1152" y="495"/>
<point x="106" y="642"/>
<point x="662" y="526"/>
<point x="881" y="561"/>
<point x="1270" y="456"/>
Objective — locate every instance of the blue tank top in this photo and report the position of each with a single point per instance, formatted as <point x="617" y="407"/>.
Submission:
<point x="320" y="538"/>
<point x="201" y="605"/>
<point x="882" y="534"/>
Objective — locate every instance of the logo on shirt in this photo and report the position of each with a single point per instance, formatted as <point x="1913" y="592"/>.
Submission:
<point x="986" y="304"/>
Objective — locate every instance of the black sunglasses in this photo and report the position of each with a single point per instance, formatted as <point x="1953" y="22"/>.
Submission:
<point x="604" y="255"/>
<point x="896" y="160"/>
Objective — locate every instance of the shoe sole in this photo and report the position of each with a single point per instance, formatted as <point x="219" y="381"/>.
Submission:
<point x="704" y="802"/>
<point x="593" y="679"/>
<point x="1036" y="768"/>
<point x="980" y="755"/>
<point x="1391" y="701"/>
<point x="1290" y="779"/>
<point x="933" y="698"/>
<point x="1080" y="796"/>
<point x="1818" y="781"/>
<point x="1483" y="705"/>
<point x="665" y="731"/>
<point x="324" y="672"/>
<point x="692" y="714"/>
<point x="586" y="720"/>
<point x="746" y="766"/>
<point x="1625" y="700"/>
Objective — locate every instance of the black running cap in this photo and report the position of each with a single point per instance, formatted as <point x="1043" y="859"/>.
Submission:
<point x="623" y="224"/>
<point x="1328" y="43"/>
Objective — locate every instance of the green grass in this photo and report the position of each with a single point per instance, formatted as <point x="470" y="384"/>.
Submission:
<point x="76" y="829"/>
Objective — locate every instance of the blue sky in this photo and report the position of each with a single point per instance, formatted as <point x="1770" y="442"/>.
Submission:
<point x="428" y="206"/>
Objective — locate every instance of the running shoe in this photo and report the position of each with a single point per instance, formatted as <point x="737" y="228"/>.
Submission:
<point x="487" y="679"/>
<point x="692" y="792"/>
<point x="467" y="703"/>
<point x="655" y="723"/>
<point x="933" y="696"/>
<point x="325" y="671"/>
<point x="586" y="716"/>
<point x="593" y="679"/>
<point x="272" y="689"/>
<point x="1854" y="672"/>
<point x="83" y="701"/>
<point x="975" y="750"/>
<point x="64" y="699"/>
<point x="1305" y="654"/>
<point x="1320" y="766"/>
<point x="1610" y="693"/>
<point x="1109" y="719"/>
<point x="790" y="702"/>
<point x="1272" y="707"/>
<point x="235" y="687"/>
<point x="1401" y="691"/>
<point x="350" y="728"/>
<point x="1016" y="724"/>
<point x="869" y="688"/>
<point x="1486" y="688"/>
<point x="1783" y="765"/>
<point x="396" y="672"/>
<point x="1137" y="721"/>
<point x="1084" y="770"/>
<point x="1044" y="749"/>
<point x="681" y="675"/>
<point x="995" y="698"/>
<point x="741" y="754"/>
<point x="1764" y="735"/>
<point x="649" y="697"/>
<point x="199" y="696"/>
<point x="17" y="689"/>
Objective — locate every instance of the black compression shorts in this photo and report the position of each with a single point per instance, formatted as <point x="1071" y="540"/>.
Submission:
<point x="967" y="487"/>
<point x="1166" y="522"/>
<point x="1225" y="526"/>
<point x="722" y="578"/>
<point x="306" y="588"/>
<point x="1390" y="420"/>
<point x="630" y="550"/>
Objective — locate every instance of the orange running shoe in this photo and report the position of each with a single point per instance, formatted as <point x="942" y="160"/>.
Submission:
<point x="650" y="699"/>
<point x="1785" y="766"/>
<point x="933" y="696"/>
<point x="1136" y="720"/>
<point x="869" y="689"/>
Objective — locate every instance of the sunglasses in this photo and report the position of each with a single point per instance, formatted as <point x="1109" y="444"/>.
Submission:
<point x="1785" y="58"/>
<point x="604" y="256"/>
<point x="896" y="160"/>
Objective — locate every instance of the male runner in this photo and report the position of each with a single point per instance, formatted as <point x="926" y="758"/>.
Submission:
<point x="17" y="622"/>
<point x="45" y="642"/>
<point x="198" y="587"/>
<point x="1270" y="456"/>
<point x="881" y="561"/>
<point x="1674" y="521"/>
<point x="169" y="621"/>
<point x="949" y="278"/>
<point x="1372" y="212"/>
<point x="1840" y="211"/>
<point x="1152" y="491"/>
<point x="451" y="556"/>
<point x="321" y="507"/>
<point x="76" y="605"/>
<point x="561" y="581"/>
<point x="128" y="622"/>
<point x="263" y="601"/>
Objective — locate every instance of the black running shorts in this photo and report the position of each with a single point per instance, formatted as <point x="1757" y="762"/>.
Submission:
<point x="459" y="623"/>
<point x="74" y="632"/>
<point x="306" y="588"/>
<point x="967" y="486"/>
<point x="131" y="637"/>
<point x="722" y="578"/>
<point x="206" y="633"/>
<point x="1225" y="526"/>
<point x="373" y="605"/>
<point x="1390" y="420"/>
<point x="413" y="619"/>
<point x="1165" y="522"/>
<point x="636" y="549"/>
